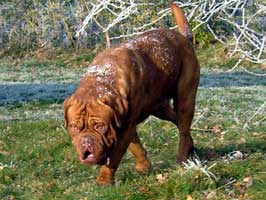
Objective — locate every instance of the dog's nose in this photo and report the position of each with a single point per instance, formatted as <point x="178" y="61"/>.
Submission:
<point x="87" y="142"/>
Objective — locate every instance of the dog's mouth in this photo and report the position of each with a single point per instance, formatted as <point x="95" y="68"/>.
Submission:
<point x="91" y="158"/>
<point x="88" y="157"/>
<point x="93" y="150"/>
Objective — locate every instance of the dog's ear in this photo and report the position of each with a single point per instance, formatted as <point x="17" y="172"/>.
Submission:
<point x="72" y="104"/>
<point x="121" y="110"/>
<point x="66" y="106"/>
<point x="117" y="108"/>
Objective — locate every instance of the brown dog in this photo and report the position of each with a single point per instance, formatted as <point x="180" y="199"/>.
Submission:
<point x="126" y="84"/>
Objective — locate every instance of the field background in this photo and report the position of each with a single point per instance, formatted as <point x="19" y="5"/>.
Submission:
<point x="41" y="64"/>
<point x="37" y="160"/>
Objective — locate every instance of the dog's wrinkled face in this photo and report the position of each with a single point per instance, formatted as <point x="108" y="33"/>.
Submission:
<point x="91" y="128"/>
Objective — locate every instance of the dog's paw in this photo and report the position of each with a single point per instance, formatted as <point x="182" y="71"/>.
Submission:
<point x="106" y="176"/>
<point x="105" y="181"/>
<point x="143" y="167"/>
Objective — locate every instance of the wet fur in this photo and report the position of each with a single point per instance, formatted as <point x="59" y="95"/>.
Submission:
<point x="123" y="86"/>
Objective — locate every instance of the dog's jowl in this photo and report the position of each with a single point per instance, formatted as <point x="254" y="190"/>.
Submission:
<point x="123" y="86"/>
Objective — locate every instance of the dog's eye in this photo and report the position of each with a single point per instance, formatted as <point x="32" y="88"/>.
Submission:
<point x="100" y="127"/>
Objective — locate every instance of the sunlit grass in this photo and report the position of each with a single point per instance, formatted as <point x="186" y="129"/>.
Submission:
<point x="38" y="161"/>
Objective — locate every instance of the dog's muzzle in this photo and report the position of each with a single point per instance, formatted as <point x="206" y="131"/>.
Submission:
<point x="94" y="148"/>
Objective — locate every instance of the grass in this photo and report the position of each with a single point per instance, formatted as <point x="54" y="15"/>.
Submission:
<point x="217" y="57"/>
<point x="38" y="161"/>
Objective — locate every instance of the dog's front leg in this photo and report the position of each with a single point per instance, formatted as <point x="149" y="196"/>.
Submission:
<point x="107" y="172"/>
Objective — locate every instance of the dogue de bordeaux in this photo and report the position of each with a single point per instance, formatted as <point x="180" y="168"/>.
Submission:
<point x="157" y="73"/>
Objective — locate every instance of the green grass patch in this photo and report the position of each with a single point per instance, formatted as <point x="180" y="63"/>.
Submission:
<point x="218" y="57"/>
<point x="38" y="161"/>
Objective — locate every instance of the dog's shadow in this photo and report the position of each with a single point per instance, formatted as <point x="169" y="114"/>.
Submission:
<point x="215" y="154"/>
<point x="218" y="153"/>
<point x="248" y="148"/>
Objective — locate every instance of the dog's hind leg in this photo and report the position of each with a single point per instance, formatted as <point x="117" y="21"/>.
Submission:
<point x="165" y="111"/>
<point x="184" y="102"/>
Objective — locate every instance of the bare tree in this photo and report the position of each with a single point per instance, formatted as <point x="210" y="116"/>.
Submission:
<point x="244" y="19"/>
<point x="118" y="11"/>
<point x="238" y="24"/>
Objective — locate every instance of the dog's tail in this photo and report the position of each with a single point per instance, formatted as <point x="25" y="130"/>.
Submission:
<point x="182" y="22"/>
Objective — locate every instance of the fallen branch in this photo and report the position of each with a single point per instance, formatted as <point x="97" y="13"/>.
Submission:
<point x="259" y="109"/>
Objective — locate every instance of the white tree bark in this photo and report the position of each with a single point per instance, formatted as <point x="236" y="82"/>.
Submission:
<point x="248" y="29"/>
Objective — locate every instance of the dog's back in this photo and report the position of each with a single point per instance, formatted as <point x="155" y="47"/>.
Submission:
<point x="149" y="64"/>
<point x="123" y="86"/>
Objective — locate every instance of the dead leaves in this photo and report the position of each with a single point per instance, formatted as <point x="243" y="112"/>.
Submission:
<point x="243" y="185"/>
<point x="217" y="129"/>
<point x="161" y="178"/>
<point x="189" y="197"/>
